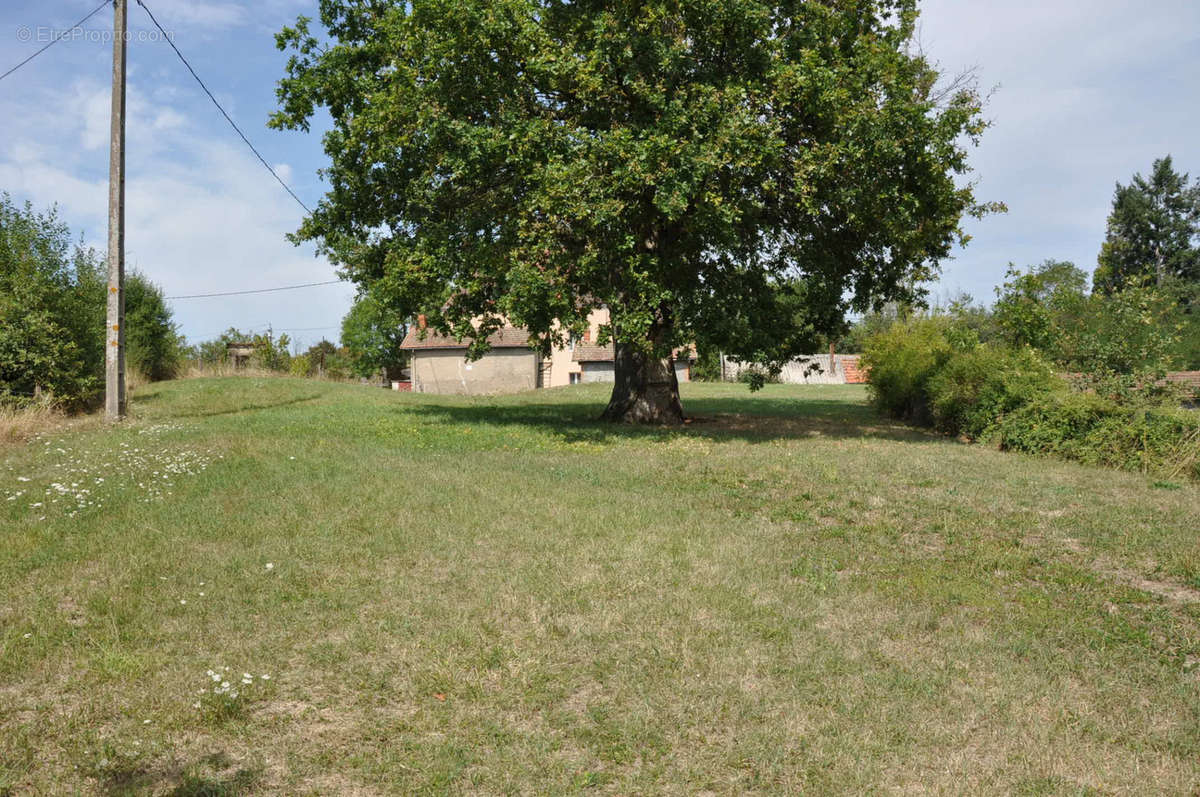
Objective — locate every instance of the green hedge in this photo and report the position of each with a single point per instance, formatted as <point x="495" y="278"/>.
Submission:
<point x="925" y="371"/>
<point x="1098" y="431"/>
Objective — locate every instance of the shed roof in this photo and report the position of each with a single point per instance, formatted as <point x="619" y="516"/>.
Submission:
<point x="592" y="354"/>
<point x="505" y="338"/>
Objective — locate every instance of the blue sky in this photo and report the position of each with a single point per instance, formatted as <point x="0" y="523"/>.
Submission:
<point x="1088" y="92"/>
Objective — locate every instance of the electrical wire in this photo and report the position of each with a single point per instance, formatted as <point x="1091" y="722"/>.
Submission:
<point x="167" y="37"/>
<point x="261" y="290"/>
<point x="56" y="39"/>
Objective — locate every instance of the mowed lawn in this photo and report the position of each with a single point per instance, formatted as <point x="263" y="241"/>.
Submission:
<point x="504" y="596"/>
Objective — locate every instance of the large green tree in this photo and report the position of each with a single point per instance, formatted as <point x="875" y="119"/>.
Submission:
<point x="51" y="308"/>
<point x="1153" y="231"/>
<point x="372" y="333"/>
<point x="52" y="293"/>
<point x="526" y="161"/>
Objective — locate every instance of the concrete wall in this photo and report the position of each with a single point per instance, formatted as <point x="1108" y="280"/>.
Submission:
<point x="598" y="372"/>
<point x="811" y="370"/>
<point x="604" y="372"/>
<point x="499" y="371"/>
<point x="683" y="371"/>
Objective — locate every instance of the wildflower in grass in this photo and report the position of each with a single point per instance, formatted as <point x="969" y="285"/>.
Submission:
<point x="270" y="565"/>
<point x="226" y="699"/>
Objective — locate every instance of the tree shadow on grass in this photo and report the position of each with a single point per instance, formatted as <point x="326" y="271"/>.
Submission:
<point x="753" y="419"/>
<point x="214" y="775"/>
<point x="249" y="407"/>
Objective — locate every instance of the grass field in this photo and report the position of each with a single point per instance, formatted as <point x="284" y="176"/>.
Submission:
<point x="503" y="596"/>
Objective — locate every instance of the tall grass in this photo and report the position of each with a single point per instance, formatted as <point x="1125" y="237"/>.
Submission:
<point x="18" y="424"/>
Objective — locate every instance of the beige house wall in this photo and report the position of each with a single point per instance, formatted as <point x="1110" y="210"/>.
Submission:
<point x="561" y="365"/>
<point x="501" y="370"/>
<point x="606" y="372"/>
<point x="446" y="371"/>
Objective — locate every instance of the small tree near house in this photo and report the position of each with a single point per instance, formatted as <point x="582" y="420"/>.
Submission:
<point x="702" y="169"/>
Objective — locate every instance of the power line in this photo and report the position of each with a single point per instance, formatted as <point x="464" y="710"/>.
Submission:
<point x="261" y="290"/>
<point x="228" y="118"/>
<point x="252" y="331"/>
<point x="56" y="39"/>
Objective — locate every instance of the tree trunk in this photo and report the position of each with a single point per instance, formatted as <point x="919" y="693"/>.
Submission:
<point x="645" y="390"/>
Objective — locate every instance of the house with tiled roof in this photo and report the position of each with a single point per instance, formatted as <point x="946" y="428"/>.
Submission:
<point x="439" y="363"/>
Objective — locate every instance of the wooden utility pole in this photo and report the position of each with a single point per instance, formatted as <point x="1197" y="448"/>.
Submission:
<point x="114" y="355"/>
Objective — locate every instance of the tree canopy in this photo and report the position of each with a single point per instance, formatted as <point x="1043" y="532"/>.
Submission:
<point x="1153" y="231"/>
<point x="703" y="169"/>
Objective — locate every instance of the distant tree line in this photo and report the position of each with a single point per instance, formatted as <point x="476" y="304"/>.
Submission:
<point x="371" y="338"/>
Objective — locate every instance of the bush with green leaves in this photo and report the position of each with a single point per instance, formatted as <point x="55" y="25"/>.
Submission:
<point x="372" y="334"/>
<point x="929" y="371"/>
<point x="300" y="365"/>
<point x="51" y="309"/>
<point x="758" y="377"/>
<point x="902" y="360"/>
<point x="271" y="353"/>
<point x="1124" y="340"/>
<point x="1096" y="430"/>
<point x="978" y="386"/>
<point x="707" y="367"/>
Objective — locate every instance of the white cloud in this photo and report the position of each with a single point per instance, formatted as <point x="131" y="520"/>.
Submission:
<point x="204" y="13"/>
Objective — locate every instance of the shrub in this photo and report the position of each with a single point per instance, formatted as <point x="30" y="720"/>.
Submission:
<point x="51" y="310"/>
<point x="977" y="387"/>
<point x="154" y="345"/>
<point x="1096" y="430"/>
<point x="300" y="365"/>
<point x="902" y="359"/>
<point x="52" y="315"/>
<point x="707" y="367"/>
<point x="758" y="377"/>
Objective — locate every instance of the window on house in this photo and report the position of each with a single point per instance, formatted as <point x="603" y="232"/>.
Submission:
<point x="576" y="378"/>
